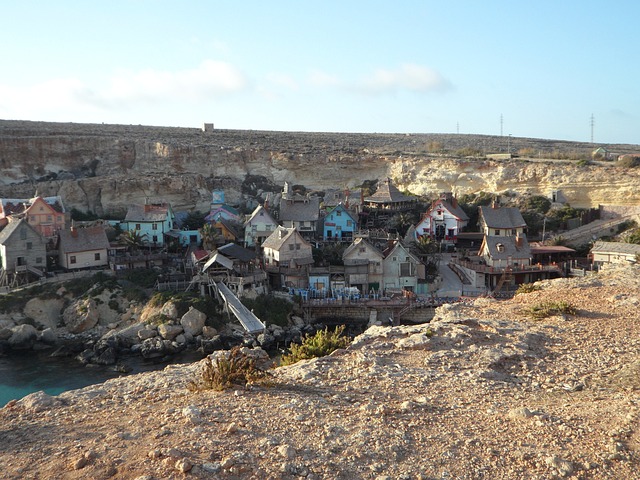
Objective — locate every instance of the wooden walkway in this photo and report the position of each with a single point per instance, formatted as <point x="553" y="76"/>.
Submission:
<point x="248" y="320"/>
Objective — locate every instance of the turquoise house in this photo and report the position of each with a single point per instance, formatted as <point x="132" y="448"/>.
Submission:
<point x="151" y="221"/>
<point x="339" y="224"/>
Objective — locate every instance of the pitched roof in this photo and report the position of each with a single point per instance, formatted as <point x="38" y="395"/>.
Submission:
<point x="501" y="248"/>
<point x="12" y="227"/>
<point x="342" y="208"/>
<point x="233" y="251"/>
<point x="300" y="210"/>
<point x="278" y="237"/>
<point x="502" y="217"/>
<point x="361" y="242"/>
<point x="456" y="211"/>
<point x="333" y="197"/>
<point x="15" y="206"/>
<point x="83" y="239"/>
<point x="397" y="245"/>
<point x="388" y="193"/>
<point x="615" y="247"/>
<point x="256" y="212"/>
<point x="147" y="213"/>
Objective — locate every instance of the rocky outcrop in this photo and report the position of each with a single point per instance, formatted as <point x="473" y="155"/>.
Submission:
<point x="103" y="168"/>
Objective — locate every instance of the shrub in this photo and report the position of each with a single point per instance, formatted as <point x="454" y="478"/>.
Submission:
<point x="527" y="288"/>
<point x="223" y="373"/>
<point x="114" y="305"/>
<point x="548" y="309"/>
<point x="145" y="278"/>
<point x="159" y="319"/>
<point x="271" y="309"/>
<point x="135" y="294"/>
<point x="322" y="343"/>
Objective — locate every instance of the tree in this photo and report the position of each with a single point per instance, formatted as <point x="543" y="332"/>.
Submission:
<point x="133" y="239"/>
<point x="194" y="220"/>
<point x="208" y="234"/>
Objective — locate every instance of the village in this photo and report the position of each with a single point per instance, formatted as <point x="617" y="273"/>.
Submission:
<point x="342" y="255"/>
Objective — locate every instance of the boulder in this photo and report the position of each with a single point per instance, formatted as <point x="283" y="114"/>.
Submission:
<point x="81" y="316"/>
<point x="209" y="332"/>
<point x="44" y="312"/>
<point x="170" y="310"/>
<point x="48" y="336"/>
<point x="168" y="331"/>
<point x="145" y="333"/>
<point x="156" y="347"/>
<point x="193" y="321"/>
<point x="23" y="337"/>
<point x="5" y="333"/>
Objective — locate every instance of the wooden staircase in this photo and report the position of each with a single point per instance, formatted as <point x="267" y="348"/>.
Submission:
<point x="505" y="278"/>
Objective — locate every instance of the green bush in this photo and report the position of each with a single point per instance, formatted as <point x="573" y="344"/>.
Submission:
<point x="135" y="294"/>
<point x="527" y="288"/>
<point x="145" y="278"/>
<point x="322" y="343"/>
<point x="542" y="310"/>
<point x="223" y="373"/>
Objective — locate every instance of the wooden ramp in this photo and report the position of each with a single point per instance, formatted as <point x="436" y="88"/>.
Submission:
<point x="248" y="320"/>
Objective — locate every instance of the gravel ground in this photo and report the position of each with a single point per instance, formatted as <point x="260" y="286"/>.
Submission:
<point x="483" y="392"/>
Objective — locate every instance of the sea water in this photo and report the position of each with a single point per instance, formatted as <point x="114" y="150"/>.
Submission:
<point x="26" y="373"/>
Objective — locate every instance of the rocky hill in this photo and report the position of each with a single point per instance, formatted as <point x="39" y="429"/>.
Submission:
<point x="483" y="391"/>
<point x="103" y="168"/>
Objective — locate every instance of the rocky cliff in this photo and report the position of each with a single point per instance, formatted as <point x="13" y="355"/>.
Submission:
<point x="103" y="168"/>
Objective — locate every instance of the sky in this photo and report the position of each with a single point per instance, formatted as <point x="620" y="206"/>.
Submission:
<point x="564" y="70"/>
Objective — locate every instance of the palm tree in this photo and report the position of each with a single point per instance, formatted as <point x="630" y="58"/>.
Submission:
<point x="133" y="239"/>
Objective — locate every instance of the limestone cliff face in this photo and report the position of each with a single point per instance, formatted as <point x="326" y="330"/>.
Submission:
<point x="103" y="168"/>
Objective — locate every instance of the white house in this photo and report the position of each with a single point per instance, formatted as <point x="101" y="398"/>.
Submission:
<point x="501" y="221"/>
<point x="443" y="221"/>
<point x="258" y="227"/>
<point x="614" y="252"/>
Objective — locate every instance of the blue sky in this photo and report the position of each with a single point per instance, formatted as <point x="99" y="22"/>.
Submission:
<point x="427" y="66"/>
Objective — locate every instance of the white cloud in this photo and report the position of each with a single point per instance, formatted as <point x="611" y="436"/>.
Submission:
<point x="317" y="78"/>
<point x="125" y="89"/>
<point x="282" y="80"/>
<point x="411" y="77"/>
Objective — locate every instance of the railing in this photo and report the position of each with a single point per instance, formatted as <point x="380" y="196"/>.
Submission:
<point x="478" y="267"/>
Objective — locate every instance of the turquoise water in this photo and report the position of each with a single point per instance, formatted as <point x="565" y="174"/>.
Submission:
<point x="21" y="375"/>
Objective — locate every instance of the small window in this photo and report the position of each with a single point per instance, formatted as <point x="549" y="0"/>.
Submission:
<point x="39" y="260"/>
<point x="513" y="231"/>
<point x="29" y="245"/>
<point x="349" y="223"/>
<point x="339" y="214"/>
<point x="72" y="259"/>
<point x="96" y="256"/>
<point x="49" y="218"/>
<point x="497" y="232"/>
<point x="59" y="218"/>
<point x="154" y="226"/>
<point x="137" y="226"/>
<point x="23" y="234"/>
<point x="297" y="246"/>
<point x="500" y="247"/>
<point x="291" y="247"/>
<point x="155" y="239"/>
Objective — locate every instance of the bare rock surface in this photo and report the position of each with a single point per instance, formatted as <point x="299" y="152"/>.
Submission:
<point x="483" y="391"/>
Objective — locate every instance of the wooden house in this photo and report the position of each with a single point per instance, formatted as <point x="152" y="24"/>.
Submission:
<point x="501" y="221"/>
<point x="151" y="221"/>
<point x="443" y="221"/>
<point x="363" y="266"/>
<point x="300" y="212"/>
<point x="83" y="248"/>
<point x="339" y="224"/>
<point x="258" y="227"/>
<point x="614" y="252"/>
<point x="388" y="197"/>
<point x="46" y="214"/>
<point x="287" y="256"/>
<point x="23" y="253"/>
<point x="401" y="269"/>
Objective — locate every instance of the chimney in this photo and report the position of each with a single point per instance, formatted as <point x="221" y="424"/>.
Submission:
<point x="74" y="231"/>
<point x="454" y="202"/>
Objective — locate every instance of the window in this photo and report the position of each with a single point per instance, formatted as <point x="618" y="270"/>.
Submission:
<point x="72" y="259"/>
<point x="59" y="218"/>
<point x="406" y="269"/>
<point x="49" y="218"/>
<point x="297" y="246"/>
<point x="39" y="260"/>
<point x="349" y="223"/>
<point x="29" y="245"/>
<point x="291" y="247"/>
<point x="96" y="256"/>
<point x="339" y="214"/>
<point x="500" y="247"/>
<point x="155" y="239"/>
<point x="513" y="231"/>
<point x="137" y="226"/>
<point x="23" y="234"/>
<point x="154" y="226"/>
<point x="497" y="232"/>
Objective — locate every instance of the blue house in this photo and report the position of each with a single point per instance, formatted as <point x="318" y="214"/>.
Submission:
<point x="339" y="224"/>
<point x="152" y="221"/>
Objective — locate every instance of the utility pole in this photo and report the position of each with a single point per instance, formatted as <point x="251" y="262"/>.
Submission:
<point x="593" y="122"/>
<point x="458" y="128"/>
<point x="501" y="123"/>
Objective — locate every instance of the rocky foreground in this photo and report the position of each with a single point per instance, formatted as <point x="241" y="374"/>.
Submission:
<point x="483" y="391"/>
